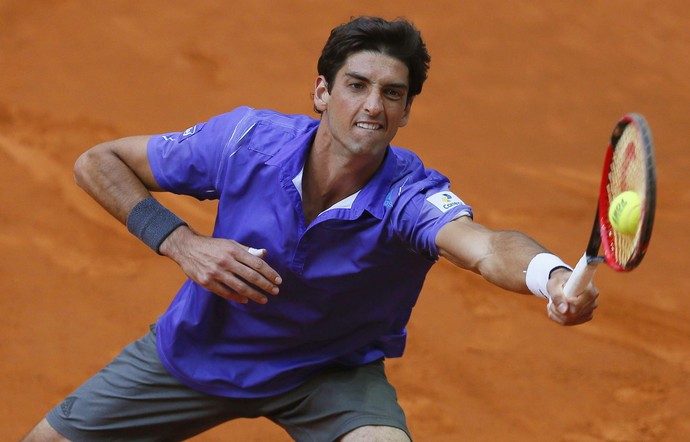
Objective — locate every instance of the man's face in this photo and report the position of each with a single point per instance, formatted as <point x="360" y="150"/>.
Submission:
<point x="367" y="102"/>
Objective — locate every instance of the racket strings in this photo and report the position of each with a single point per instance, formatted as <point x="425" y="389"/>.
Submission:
<point x="627" y="172"/>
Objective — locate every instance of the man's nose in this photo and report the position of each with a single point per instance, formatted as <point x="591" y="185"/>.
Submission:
<point x="374" y="102"/>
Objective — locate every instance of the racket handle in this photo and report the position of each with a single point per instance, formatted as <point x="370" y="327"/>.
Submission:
<point x="581" y="277"/>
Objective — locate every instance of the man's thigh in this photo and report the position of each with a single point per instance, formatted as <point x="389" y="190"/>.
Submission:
<point x="135" y="398"/>
<point x="43" y="432"/>
<point x="371" y="433"/>
<point x="338" y="402"/>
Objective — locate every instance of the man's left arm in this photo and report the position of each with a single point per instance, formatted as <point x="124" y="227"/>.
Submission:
<point x="503" y="258"/>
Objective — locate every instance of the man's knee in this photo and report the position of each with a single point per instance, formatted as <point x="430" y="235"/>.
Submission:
<point x="371" y="433"/>
<point x="43" y="432"/>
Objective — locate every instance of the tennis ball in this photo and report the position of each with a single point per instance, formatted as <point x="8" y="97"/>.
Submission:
<point x="624" y="212"/>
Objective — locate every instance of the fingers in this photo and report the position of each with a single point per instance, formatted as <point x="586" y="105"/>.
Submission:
<point x="568" y="320"/>
<point x="233" y="271"/>
<point x="235" y="289"/>
<point x="574" y="310"/>
<point x="247" y="277"/>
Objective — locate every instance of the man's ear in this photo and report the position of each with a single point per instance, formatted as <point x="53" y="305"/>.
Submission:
<point x="321" y="94"/>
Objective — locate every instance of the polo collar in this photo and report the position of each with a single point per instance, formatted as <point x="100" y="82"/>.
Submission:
<point x="371" y="197"/>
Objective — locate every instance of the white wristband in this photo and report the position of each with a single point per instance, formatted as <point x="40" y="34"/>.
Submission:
<point x="539" y="270"/>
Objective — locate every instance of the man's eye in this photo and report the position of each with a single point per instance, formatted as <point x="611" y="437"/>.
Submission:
<point x="392" y="93"/>
<point x="356" y="85"/>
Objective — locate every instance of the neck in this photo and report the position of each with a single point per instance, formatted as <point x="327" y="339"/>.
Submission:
<point x="331" y="175"/>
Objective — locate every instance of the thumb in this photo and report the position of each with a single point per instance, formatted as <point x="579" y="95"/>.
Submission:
<point x="559" y="303"/>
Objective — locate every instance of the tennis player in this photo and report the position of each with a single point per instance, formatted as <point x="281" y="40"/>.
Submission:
<point x="323" y="237"/>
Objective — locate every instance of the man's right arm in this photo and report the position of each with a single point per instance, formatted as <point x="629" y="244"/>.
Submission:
<point x="118" y="175"/>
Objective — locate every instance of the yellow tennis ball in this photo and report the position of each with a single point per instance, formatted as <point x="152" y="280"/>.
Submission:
<point x="624" y="212"/>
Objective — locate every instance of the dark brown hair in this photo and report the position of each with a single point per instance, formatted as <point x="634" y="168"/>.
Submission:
<point x="399" y="39"/>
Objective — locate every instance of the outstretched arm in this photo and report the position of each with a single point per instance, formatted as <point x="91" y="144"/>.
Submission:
<point x="503" y="257"/>
<point x="117" y="174"/>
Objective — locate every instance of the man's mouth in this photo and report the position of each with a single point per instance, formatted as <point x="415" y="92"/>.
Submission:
<point x="369" y="126"/>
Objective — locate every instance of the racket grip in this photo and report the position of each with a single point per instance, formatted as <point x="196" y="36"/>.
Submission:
<point x="581" y="277"/>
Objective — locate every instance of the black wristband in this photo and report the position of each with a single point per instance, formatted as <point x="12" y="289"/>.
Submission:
<point x="152" y="223"/>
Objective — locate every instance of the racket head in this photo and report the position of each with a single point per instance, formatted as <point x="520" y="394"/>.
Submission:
<point x="629" y="164"/>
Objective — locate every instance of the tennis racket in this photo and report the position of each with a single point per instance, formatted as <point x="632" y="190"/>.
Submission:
<point x="629" y="165"/>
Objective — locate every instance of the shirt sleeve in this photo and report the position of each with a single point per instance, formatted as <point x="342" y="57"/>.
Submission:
<point x="189" y="162"/>
<point x="423" y="209"/>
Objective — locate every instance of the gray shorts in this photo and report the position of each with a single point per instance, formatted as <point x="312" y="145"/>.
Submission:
<point x="134" y="398"/>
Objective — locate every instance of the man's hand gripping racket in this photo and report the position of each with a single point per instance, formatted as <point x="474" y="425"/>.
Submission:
<point x="629" y="165"/>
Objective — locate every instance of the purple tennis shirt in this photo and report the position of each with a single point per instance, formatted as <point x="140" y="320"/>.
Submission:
<point x="350" y="278"/>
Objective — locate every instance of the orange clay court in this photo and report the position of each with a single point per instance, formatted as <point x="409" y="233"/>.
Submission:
<point x="517" y="110"/>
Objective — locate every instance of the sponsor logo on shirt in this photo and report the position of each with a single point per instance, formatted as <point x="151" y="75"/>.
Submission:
<point x="389" y="199"/>
<point x="191" y="131"/>
<point x="445" y="200"/>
